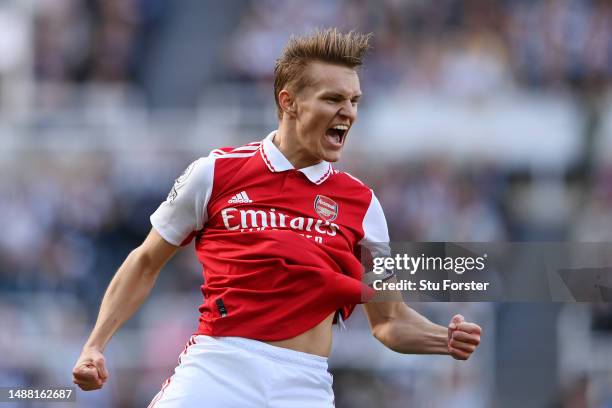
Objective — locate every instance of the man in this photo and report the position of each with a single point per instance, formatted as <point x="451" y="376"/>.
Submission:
<point x="277" y="230"/>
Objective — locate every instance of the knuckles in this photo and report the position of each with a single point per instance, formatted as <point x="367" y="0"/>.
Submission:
<point x="463" y="346"/>
<point x="85" y="373"/>
<point x="459" y="356"/>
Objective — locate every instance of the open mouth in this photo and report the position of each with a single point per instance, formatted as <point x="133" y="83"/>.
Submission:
<point x="336" y="134"/>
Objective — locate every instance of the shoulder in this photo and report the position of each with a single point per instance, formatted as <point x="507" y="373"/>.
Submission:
<point x="201" y="172"/>
<point x="226" y="162"/>
<point x="232" y="152"/>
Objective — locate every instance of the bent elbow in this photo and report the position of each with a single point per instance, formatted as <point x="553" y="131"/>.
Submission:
<point x="386" y="333"/>
<point x="142" y="262"/>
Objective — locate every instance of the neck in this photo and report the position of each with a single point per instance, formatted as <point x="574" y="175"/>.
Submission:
<point x="286" y="140"/>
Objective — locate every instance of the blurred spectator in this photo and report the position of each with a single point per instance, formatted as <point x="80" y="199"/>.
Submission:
<point x="88" y="40"/>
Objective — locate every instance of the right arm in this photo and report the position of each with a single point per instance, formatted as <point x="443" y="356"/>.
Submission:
<point x="174" y="222"/>
<point x="127" y="291"/>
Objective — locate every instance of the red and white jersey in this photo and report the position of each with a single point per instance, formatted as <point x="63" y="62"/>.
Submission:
<point x="279" y="246"/>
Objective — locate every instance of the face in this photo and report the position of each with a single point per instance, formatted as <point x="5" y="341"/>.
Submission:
<point x="325" y="111"/>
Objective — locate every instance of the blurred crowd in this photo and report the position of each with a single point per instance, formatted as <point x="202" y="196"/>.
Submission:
<point x="73" y="218"/>
<point x="462" y="47"/>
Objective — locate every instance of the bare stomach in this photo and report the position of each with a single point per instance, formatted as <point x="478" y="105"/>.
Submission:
<point x="317" y="340"/>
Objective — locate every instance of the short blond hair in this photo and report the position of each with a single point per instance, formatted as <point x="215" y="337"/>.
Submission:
<point x="329" y="45"/>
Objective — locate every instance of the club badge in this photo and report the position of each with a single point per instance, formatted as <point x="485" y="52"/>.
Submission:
<point x="326" y="208"/>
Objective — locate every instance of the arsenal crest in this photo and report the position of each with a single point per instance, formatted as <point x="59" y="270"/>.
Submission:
<point x="326" y="208"/>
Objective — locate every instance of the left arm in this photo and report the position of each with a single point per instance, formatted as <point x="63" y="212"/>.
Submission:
<point x="404" y="330"/>
<point x="401" y="328"/>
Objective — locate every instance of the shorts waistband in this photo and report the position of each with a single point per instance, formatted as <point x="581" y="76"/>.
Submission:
<point x="272" y="352"/>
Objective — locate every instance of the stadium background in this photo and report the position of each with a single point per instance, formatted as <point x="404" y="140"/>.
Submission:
<point x="481" y="121"/>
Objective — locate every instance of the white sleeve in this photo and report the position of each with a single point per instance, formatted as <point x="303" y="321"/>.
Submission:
<point x="376" y="238"/>
<point x="375" y="232"/>
<point x="184" y="211"/>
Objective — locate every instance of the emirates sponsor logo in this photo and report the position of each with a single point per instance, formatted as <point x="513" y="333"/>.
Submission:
<point x="326" y="208"/>
<point x="235" y="219"/>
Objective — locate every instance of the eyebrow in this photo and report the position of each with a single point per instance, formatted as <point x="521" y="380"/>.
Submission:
<point x="340" y="95"/>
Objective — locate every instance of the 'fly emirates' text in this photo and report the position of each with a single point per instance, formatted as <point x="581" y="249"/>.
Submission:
<point x="259" y="220"/>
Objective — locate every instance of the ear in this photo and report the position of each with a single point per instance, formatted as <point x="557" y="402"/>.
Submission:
<point x="287" y="102"/>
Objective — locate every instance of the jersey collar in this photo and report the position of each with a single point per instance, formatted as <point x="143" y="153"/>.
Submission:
<point x="277" y="162"/>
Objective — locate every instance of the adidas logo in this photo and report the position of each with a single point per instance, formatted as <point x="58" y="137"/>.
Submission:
<point x="240" y="198"/>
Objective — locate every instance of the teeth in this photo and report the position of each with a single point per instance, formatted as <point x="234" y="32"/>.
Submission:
<point x="340" y="127"/>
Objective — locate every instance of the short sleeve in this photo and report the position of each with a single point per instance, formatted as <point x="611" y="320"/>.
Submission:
<point x="184" y="212"/>
<point x="375" y="232"/>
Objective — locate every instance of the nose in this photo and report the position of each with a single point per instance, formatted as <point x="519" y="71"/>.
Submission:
<point x="348" y="111"/>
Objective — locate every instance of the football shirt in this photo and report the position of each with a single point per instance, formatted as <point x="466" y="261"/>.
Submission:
<point x="279" y="246"/>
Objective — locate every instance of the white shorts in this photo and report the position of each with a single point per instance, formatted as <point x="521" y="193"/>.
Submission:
<point x="234" y="372"/>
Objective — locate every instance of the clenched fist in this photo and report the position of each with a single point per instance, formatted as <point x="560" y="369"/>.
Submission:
<point x="463" y="337"/>
<point x="89" y="372"/>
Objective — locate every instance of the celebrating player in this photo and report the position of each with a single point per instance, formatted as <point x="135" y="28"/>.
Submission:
<point x="278" y="231"/>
